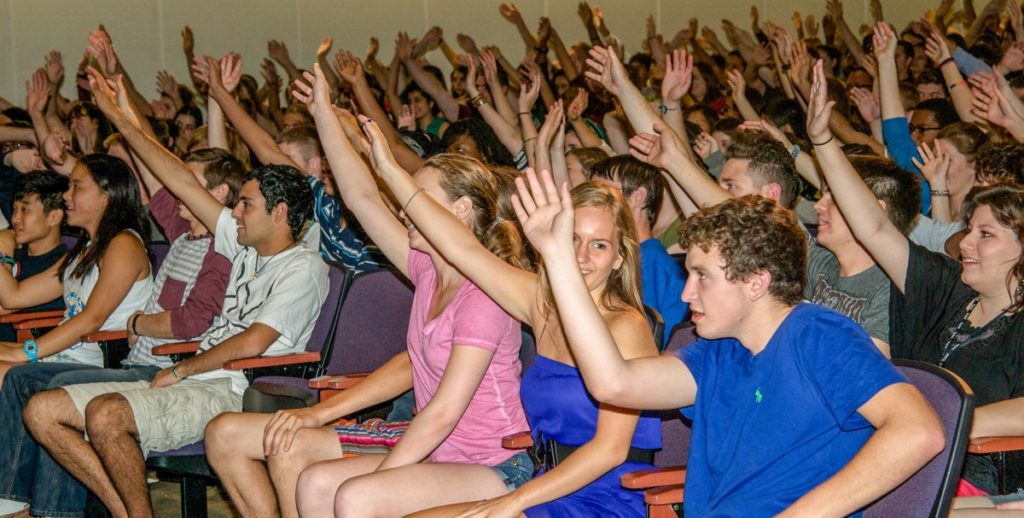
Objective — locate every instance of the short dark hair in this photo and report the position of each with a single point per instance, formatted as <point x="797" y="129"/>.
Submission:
<point x="492" y="150"/>
<point x="930" y="76"/>
<point x="898" y="188"/>
<point x="220" y="168"/>
<point x="945" y="113"/>
<point x="753" y="234"/>
<point x="47" y="185"/>
<point x="192" y="111"/>
<point x="770" y="162"/>
<point x="633" y="174"/>
<point x="285" y="184"/>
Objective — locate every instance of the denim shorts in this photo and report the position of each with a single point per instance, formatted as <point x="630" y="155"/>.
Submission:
<point x="515" y="471"/>
<point x="1003" y="499"/>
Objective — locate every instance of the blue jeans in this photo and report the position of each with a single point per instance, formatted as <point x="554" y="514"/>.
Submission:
<point x="27" y="472"/>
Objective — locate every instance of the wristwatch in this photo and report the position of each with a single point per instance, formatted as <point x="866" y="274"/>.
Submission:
<point x="31" y="349"/>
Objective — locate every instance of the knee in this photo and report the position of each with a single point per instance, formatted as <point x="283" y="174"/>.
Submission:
<point x="107" y="415"/>
<point x="41" y="411"/>
<point x="353" y="498"/>
<point x="222" y="434"/>
<point x="313" y="486"/>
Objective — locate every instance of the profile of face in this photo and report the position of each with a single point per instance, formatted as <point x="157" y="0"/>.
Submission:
<point x="84" y="202"/>
<point x="466" y="146"/>
<point x="31" y="221"/>
<point x="924" y="127"/>
<point x="25" y="159"/>
<point x="186" y="124"/>
<point x="255" y="225"/>
<point x="597" y="246"/>
<point x="927" y="91"/>
<point x="902" y="59"/>
<point x="458" y="83"/>
<point x="833" y="232"/>
<point x="961" y="171"/>
<point x="574" y="170"/>
<point x="920" y="60"/>
<point x="429" y="178"/>
<point x="421" y="106"/>
<point x="988" y="252"/>
<point x="718" y="305"/>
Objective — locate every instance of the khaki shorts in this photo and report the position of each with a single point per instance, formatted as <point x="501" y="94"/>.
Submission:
<point x="170" y="417"/>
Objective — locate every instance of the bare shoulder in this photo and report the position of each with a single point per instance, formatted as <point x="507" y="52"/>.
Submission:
<point x="632" y="334"/>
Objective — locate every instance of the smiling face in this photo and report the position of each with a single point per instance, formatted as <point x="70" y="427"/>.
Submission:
<point x="718" y="305"/>
<point x="84" y="201"/>
<point x="254" y="223"/>
<point x="988" y="252"/>
<point x="421" y="107"/>
<point x="429" y="178"/>
<point x="31" y="221"/>
<point x="597" y="246"/>
<point x="833" y="231"/>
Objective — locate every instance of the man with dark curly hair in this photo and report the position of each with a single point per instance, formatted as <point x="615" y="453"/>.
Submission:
<point x="794" y="410"/>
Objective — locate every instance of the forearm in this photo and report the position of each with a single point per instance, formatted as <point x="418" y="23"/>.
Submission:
<point x="260" y="141"/>
<point x="747" y="110"/>
<point x="845" y="132"/>
<point x="247" y="344"/>
<point x="425" y="433"/>
<point x="384" y="384"/>
<point x="585" y="465"/>
<point x="157" y="325"/>
<point x="68" y="333"/>
<point x="434" y="88"/>
<point x="850" y="41"/>
<point x="449" y="53"/>
<point x="940" y="199"/>
<point x="11" y="133"/>
<point x="615" y="131"/>
<point x="217" y="133"/>
<point x="958" y="92"/>
<point x="807" y="169"/>
<point x="889" y="91"/>
<point x="588" y="137"/>
<point x="501" y="104"/>
<point x="1003" y="418"/>
<point x="564" y="59"/>
<point x="511" y="72"/>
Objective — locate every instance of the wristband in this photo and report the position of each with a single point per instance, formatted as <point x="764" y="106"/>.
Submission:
<point x="31" y="349"/>
<point x="830" y="137"/>
<point x="946" y="62"/>
<point x="795" y="152"/>
<point x="174" y="372"/>
<point x="665" y="109"/>
<point x="131" y="324"/>
<point x="940" y="193"/>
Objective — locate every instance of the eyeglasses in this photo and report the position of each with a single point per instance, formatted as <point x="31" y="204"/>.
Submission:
<point x="921" y="129"/>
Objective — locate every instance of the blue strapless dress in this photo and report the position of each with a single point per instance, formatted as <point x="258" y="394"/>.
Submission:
<point x="559" y="408"/>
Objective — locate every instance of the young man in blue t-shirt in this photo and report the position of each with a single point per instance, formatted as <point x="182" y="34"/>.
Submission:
<point x="795" y="412"/>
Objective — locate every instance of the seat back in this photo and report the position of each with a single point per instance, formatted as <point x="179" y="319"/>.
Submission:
<point x="372" y="324"/>
<point x="930" y="491"/>
<point x="323" y="331"/>
<point x="69" y="240"/>
<point x="682" y="335"/>
<point x="657" y="325"/>
<point x="157" y="253"/>
<point x="675" y="440"/>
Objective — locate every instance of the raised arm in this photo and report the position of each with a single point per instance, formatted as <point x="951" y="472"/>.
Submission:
<point x="934" y="165"/>
<point x="430" y="84"/>
<point x="675" y="86"/>
<point x="507" y="134"/>
<point x="171" y="171"/>
<point x="513" y="289"/>
<point x="867" y="219"/>
<point x="230" y="74"/>
<point x="663" y="382"/>
<point x="664" y="150"/>
<point x="355" y="183"/>
<point x="849" y="39"/>
<point x="938" y="51"/>
<point x="888" y="78"/>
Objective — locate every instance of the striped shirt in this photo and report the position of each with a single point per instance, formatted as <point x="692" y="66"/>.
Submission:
<point x="349" y="246"/>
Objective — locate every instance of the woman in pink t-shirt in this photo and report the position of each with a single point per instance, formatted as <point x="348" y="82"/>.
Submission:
<point x="462" y="364"/>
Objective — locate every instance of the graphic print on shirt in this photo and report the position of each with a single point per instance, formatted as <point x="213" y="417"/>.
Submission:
<point x="75" y="305"/>
<point x="842" y="303"/>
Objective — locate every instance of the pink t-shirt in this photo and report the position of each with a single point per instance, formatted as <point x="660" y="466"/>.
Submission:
<point x="470" y="319"/>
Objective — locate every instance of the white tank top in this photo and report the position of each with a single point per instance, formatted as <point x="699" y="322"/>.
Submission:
<point x="76" y="296"/>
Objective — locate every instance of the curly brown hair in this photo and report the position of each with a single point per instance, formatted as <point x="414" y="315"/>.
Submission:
<point x="753" y="234"/>
<point x="1006" y="201"/>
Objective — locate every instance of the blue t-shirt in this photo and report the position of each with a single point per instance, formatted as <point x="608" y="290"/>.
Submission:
<point x="903" y="151"/>
<point x="662" y="281"/>
<point x="769" y="428"/>
<point x="349" y="246"/>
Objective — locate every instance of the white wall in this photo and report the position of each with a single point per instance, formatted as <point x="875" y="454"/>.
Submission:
<point x="146" y="33"/>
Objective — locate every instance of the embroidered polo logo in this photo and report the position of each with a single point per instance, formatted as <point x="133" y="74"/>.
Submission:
<point x="758" y="396"/>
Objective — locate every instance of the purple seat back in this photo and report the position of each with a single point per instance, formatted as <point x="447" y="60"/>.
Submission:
<point x="682" y="335"/>
<point x="196" y="448"/>
<point x="372" y="324"/>
<point x="157" y="254"/>
<point x="326" y="323"/>
<point x="930" y="491"/>
<point x="69" y="240"/>
<point x="675" y="440"/>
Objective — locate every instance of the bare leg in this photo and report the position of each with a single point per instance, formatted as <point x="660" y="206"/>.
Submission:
<point x="445" y="511"/>
<point x="311" y="445"/>
<point x="113" y="434"/>
<point x="55" y="423"/>
<point x="422" y="486"/>
<point x="981" y="507"/>
<point x="234" y="447"/>
<point x="319" y="482"/>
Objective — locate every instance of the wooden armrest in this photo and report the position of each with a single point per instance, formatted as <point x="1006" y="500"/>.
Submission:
<point x="667" y="495"/>
<point x="105" y="336"/>
<point x="36" y="324"/>
<point x="645" y="478"/>
<point x="178" y="348"/>
<point x="272" y="361"/>
<point x="31" y="315"/>
<point x="996" y="444"/>
<point x="347" y="381"/>
<point x="323" y="382"/>
<point x="319" y="382"/>
<point x="517" y="441"/>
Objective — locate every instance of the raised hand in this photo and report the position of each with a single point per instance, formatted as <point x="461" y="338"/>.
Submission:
<point x="876" y="10"/>
<point x="403" y="46"/>
<point x="371" y="51"/>
<point x="101" y="49"/>
<point x="490" y="64"/>
<point x="554" y="118"/>
<point x="528" y="93"/>
<point x="934" y="164"/>
<point x="270" y="75"/>
<point x="467" y="43"/>
<point x="188" y="40"/>
<point x="578" y="105"/>
<point x="585" y="13"/>
<point x="543" y="31"/>
<point x="867" y="104"/>
<point x="406" y="118"/>
<point x="231" y="71"/>
<point x="376" y="146"/>
<point x="935" y="47"/>
<point x="819" y="108"/>
<point x="38" y="92"/>
<point x="54" y="65"/>
<point x="545" y="212"/>
<point x="103" y="93"/>
<point x="603" y="66"/>
<point x="737" y="85"/>
<point x="324" y="48"/>
<point x="835" y="10"/>
<point x="678" y="75"/>
<point x="317" y="97"/>
<point x="278" y="51"/>
<point x="810" y="26"/>
<point x="56" y="146"/>
<point x="349" y="68"/>
<point x="510" y="12"/>
<point x="705" y="145"/>
<point x="884" y="41"/>
<point x="652" y="31"/>
<point x="165" y="84"/>
<point x="798" y="22"/>
<point x="433" y="36"/>
<point x="663" y="150"/>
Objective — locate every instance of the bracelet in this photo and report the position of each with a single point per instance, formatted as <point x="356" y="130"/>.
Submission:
<point x="822" y="143"/>
<point x="665" y="109"/>
<point x="946" y="62"/>
<point x="31" y="349"/>
<point x="940" y="193"/>
<point x="406" y="206"/>
<point x="174" y="372"/>
<point x="953" y="85"/>
<point x="131" y="324"/>
<point x="477" y="101"/>
<point x="6" y="259"/>
<point x="795" y="152"/>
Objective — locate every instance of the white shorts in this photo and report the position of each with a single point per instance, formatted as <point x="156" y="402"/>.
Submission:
<point x="170" y="417"/>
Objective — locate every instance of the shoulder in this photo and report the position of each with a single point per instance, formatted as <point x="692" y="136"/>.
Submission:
<point x="632" y="334"/>
<point x="126" y="242"/>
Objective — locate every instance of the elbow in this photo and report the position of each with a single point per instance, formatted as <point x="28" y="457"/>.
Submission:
<point x="607" y="392"/>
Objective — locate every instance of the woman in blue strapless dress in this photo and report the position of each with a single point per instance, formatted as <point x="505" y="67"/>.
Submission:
<point x="560" y="409"/>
